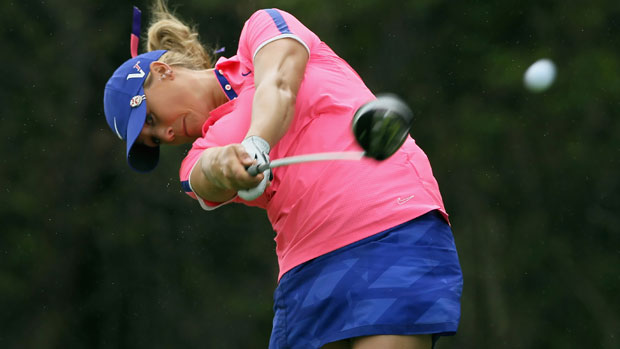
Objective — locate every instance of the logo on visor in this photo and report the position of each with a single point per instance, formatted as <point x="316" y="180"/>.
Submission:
<point x="116" y="129"/>
<point x="139" y="74"/>
<point x="136" y="100"/>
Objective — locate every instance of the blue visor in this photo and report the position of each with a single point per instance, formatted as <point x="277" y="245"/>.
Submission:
<point x="124" y="104"/>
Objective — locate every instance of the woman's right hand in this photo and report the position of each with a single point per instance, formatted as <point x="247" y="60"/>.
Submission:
<point x="223" y="173"/>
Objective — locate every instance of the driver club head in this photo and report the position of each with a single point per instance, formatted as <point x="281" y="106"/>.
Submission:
<point x="382" y="125"/>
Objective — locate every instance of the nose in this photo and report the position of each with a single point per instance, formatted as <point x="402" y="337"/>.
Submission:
<point x="165" y="134"/>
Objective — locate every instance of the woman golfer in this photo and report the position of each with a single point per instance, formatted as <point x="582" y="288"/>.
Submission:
<point x="366" y="255"/>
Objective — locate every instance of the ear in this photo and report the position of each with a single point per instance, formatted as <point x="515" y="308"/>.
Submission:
<point x="159" y="69"/>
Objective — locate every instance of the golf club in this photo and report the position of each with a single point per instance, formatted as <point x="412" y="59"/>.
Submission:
<point x="380" y="128"/>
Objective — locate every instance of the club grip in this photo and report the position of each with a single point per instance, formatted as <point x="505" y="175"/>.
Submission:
<point x="256" y="169"/>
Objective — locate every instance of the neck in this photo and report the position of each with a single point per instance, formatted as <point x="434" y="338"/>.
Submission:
<point x="212" y="90"/>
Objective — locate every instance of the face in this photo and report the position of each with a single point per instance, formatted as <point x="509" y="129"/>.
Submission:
<point x="175" y="111"/>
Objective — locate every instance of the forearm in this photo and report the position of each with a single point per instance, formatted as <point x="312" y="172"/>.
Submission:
<point x="273" y="109"/>
<point x="279" y="71"/>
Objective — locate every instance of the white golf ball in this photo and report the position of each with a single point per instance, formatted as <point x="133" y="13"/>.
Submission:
<point x="540" y="75"/>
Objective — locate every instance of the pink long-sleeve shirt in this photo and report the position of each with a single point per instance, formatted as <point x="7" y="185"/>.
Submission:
<point x="317" y="207"/>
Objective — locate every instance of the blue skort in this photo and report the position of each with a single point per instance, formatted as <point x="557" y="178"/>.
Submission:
<point x="403" y="281"/>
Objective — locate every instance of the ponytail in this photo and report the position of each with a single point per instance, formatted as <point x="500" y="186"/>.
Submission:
<point x="167" y="32"/>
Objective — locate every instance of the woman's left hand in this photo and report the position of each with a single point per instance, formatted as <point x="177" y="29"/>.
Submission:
<point x="258" y="149"/>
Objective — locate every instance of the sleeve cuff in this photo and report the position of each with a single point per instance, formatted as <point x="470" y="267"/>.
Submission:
<point x="283" y="36"/>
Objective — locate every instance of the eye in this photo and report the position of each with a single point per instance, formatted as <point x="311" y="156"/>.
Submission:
<point x="149" y="120"/>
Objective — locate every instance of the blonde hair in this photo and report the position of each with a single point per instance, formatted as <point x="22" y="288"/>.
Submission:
<point x="167" y="32"/>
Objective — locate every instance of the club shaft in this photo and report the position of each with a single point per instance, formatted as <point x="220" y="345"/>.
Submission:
<point x="343" y="155"/>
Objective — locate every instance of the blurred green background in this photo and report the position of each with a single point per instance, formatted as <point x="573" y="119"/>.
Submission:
<point x="93" y="255"/>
